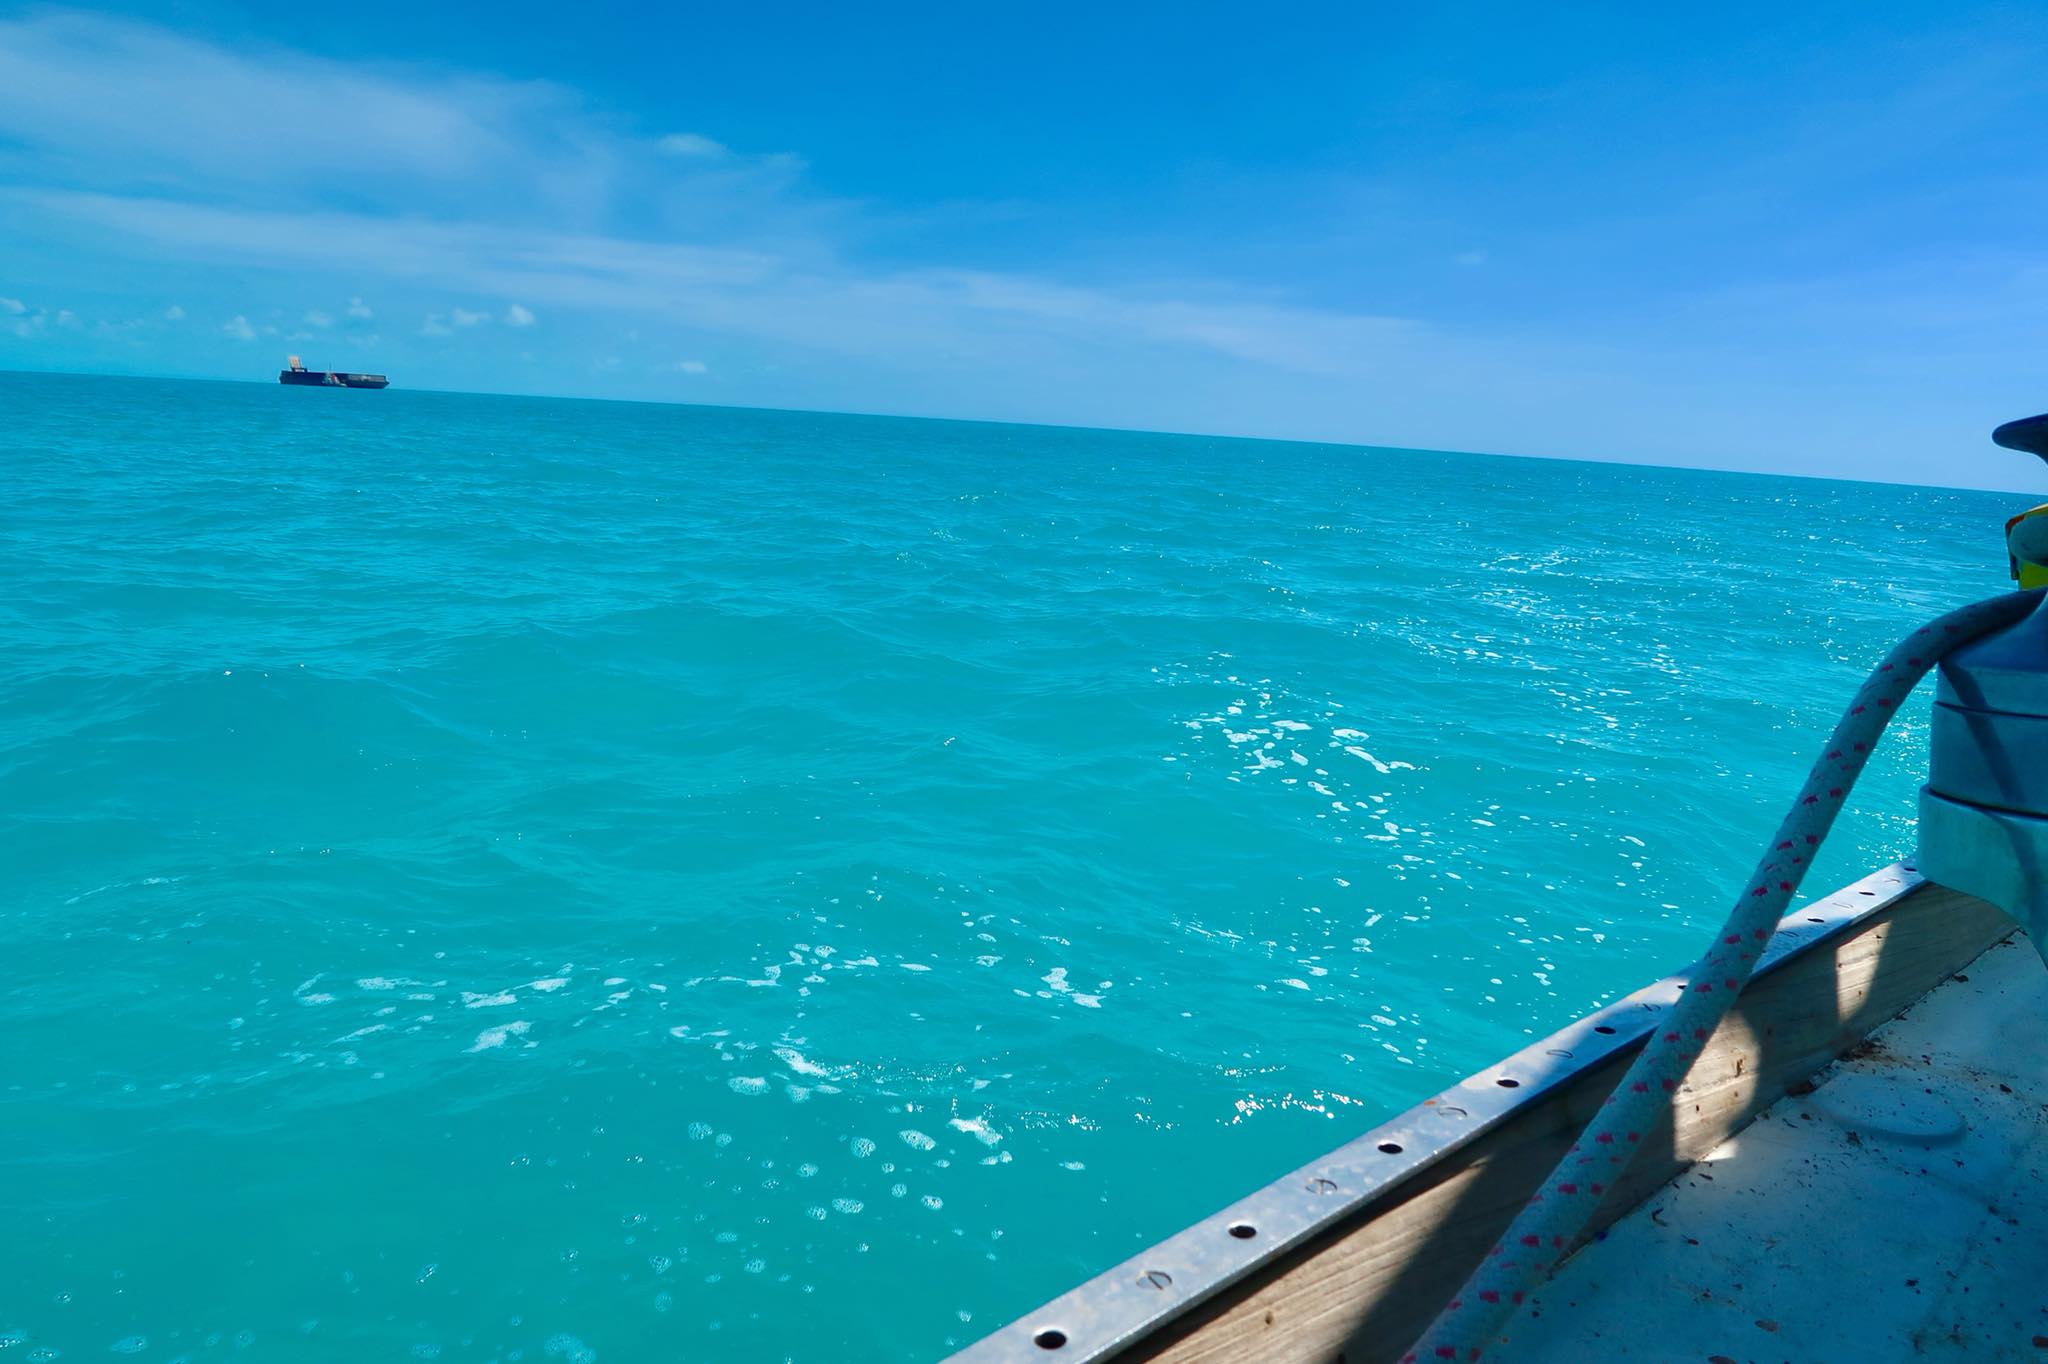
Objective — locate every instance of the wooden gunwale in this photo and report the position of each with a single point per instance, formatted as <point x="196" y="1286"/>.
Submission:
<point x="1348" y="1258"/>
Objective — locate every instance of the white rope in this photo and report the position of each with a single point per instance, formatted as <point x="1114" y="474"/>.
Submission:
<point x="1553" y="1218"/>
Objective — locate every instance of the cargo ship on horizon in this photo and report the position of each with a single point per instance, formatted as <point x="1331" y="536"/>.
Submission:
<point x="297" y="373"/>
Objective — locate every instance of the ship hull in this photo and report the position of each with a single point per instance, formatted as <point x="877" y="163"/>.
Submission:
<point x="322" y="378"/>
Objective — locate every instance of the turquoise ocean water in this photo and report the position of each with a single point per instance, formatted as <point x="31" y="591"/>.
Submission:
<point x="496" y="879"/>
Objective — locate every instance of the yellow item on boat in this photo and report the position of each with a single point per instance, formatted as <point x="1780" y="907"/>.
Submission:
<point x="2026" y="542"/>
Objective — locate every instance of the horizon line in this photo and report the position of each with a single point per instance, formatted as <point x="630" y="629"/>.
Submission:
<point x="1071" y="426"/>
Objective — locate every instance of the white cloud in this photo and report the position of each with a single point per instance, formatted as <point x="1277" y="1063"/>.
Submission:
<point x="174" y="314"/>
<point x="692" y="366"/>
<point x="13" y="305"/>
<point x="1470" y="258"/>
<point x="68" y="319"/>
<point x="102" y="95"/>
<point x="692" y="145"/>
<point x="446" y="324"/>
<point x="357" y="308"/>
<point x="108" y="103"/>
<point x="239" y="328"/>
<point x="316" y="318"/>
<point x="918" y="315"/>
<point x="518" y="316"/>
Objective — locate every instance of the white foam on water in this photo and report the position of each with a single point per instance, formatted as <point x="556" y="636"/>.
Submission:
<point x="474" y="1001"/>
<point x="916" y="1140"/>
<point x="1355" y="751"/>
<point x="977" y="1128"/>
<point x="568" y="1347"/>
<point x="748" y="1084"/>
<point x="300" y="992"/>
<point x="796" y="1061"/>
<point x="552" y="983"/>
<point x="496" y="1037"/>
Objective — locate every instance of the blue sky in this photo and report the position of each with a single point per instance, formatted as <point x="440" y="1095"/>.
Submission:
<point x="1811" y="239"/>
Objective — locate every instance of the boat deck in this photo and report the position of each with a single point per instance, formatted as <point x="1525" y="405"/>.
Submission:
<point x="1898" y="1211"/>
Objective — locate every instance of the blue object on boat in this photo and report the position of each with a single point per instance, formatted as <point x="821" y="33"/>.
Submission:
<point x="1984" y="810"/>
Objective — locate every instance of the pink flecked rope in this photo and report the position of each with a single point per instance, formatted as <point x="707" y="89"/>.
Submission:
<point x="1556" y="1214"/>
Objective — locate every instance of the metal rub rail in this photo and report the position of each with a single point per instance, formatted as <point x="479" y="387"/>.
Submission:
<point x="1125" y="1305"/>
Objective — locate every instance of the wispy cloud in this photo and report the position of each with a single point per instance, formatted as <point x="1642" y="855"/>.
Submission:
<point x="22" y="320"/>
<point x="691" y="366"/>
<point x="115" y="105"/>
<point x="239" y="328"/>
<point x="358" y="309"/>
<point x="669" y="253"/>
<point x="316" y="318"/>
<point x="108" y="100"/>
<point x="691" y="144"/>
<point x="174" y="313"/>
<point x="810" y="301"/>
